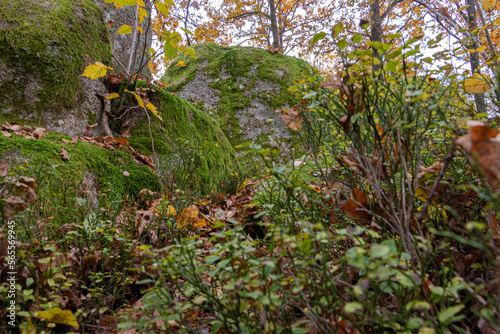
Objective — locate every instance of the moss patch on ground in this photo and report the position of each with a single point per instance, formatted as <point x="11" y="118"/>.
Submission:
<point x="107" y="165"/>
<point x="242" y="82"/>
<point x="49" y="42"/>
<point x="191" y="133"/>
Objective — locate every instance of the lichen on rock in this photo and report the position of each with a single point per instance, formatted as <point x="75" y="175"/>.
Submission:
<point x="44" y="48"/>
<point x="241" y="87"/>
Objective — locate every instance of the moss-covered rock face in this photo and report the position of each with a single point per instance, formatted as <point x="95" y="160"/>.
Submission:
<point x="188" y="134"/>
<point x="94" y="168"/>
<point x="242" y="87"/>
<point x="44" y="48"/>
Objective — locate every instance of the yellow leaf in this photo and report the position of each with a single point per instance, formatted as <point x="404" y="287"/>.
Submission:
<point x="153" y="109"/>
<point x="118" y="6"/>
<point x="162" y="8"/>
<point x="112" y="96"/>
<point x="124" y="30"/>
<point x="152" y="67"/>
<point x="171" y="211"/>
<point x="315" y="188"/>
<point x="200" y="223"/>
<point x="140" y="30"/>
<point x="59" y="316"/>
<point x="476" y="85"/>
<point x="96" y="71"/>
<point x="487" y="4"/>
<point x="141" y="14"/>
<point x="141" y="3"/>
<point x="137" y="97"/>
<point x="180" y="63"/>
<point x="188" y="216"/>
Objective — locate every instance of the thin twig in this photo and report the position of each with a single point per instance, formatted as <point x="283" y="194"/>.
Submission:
<point x="447" y="161"/>
<point x="151" y="136"/>
<point x="119" y="63"/>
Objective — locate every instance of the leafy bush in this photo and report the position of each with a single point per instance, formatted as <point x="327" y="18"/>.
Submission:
<point x="393" y="238"/>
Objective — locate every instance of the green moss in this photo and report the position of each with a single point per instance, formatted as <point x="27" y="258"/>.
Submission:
<point x="106" y="164"/>
<point x="51" y="42"/>
<point x="187" y="129"/>
<point x="252" y="66"/>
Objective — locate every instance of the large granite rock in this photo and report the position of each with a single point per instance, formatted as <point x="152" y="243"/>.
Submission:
<point x="241" y="87"/>
<point x="44" y="48"/>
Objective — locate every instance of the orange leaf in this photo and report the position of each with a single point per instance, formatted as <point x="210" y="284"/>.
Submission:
<point x="188" y="216"/>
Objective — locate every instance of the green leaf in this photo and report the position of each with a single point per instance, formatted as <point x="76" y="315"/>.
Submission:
<point x="379" y="251"/>
<point x="353" y="307"/>
<point x="298" y="330"/>
<point x="170" y="2"/>
<point x="279" y="169"/>
<point x="126" y="2"/>
<point x="418" y="305"/>
<point x="187" y="31"/>
<point x="357" y="38"/>
<point x="170" y="51"/>
<point x="446" y="315"/>
<point x="310" y="94"/>
<point x="190" y="51"/>
<point x="318" y="37"/>
<point x="29" y="281"/>
<point x="393" y="54"/>
<point x="342" y="44"/>
<point x="337" y="29"/>
<point x="124" y="30"/>
<point x="162" y="8"/>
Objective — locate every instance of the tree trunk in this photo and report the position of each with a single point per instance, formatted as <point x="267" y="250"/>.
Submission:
<point x="474" y="56"/>
<point x="376" y="31"/>
<point x="274" y="25"/>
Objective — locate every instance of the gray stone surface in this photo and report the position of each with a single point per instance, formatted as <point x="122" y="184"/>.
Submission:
<point x="121" y="43"/>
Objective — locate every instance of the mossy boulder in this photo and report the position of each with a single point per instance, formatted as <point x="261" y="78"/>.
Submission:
<point x="44" y="48"/>
<point x="92" y="168"/>
<point x="241" y="87"/>
<point x="187" y="134"/>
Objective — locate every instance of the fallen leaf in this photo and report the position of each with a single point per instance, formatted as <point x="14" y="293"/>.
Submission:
<point x="188" y="216"/>
<point x="64" y="154"/>
<point x="357" y="205"/>
<point x="291" y="118"/>
<point x="4" y="169"/>
<point x="58" y="316"/>
<point x="483" y="147"/>
<point x="39" y="133"/>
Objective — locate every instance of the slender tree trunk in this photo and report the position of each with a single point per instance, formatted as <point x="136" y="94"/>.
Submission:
<point x="133" y="43"/>
<point x="474" y="56"/>
<point x="186" y="22"/>
<point x="274" y="25"/>
<point x="376" y="31"/>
